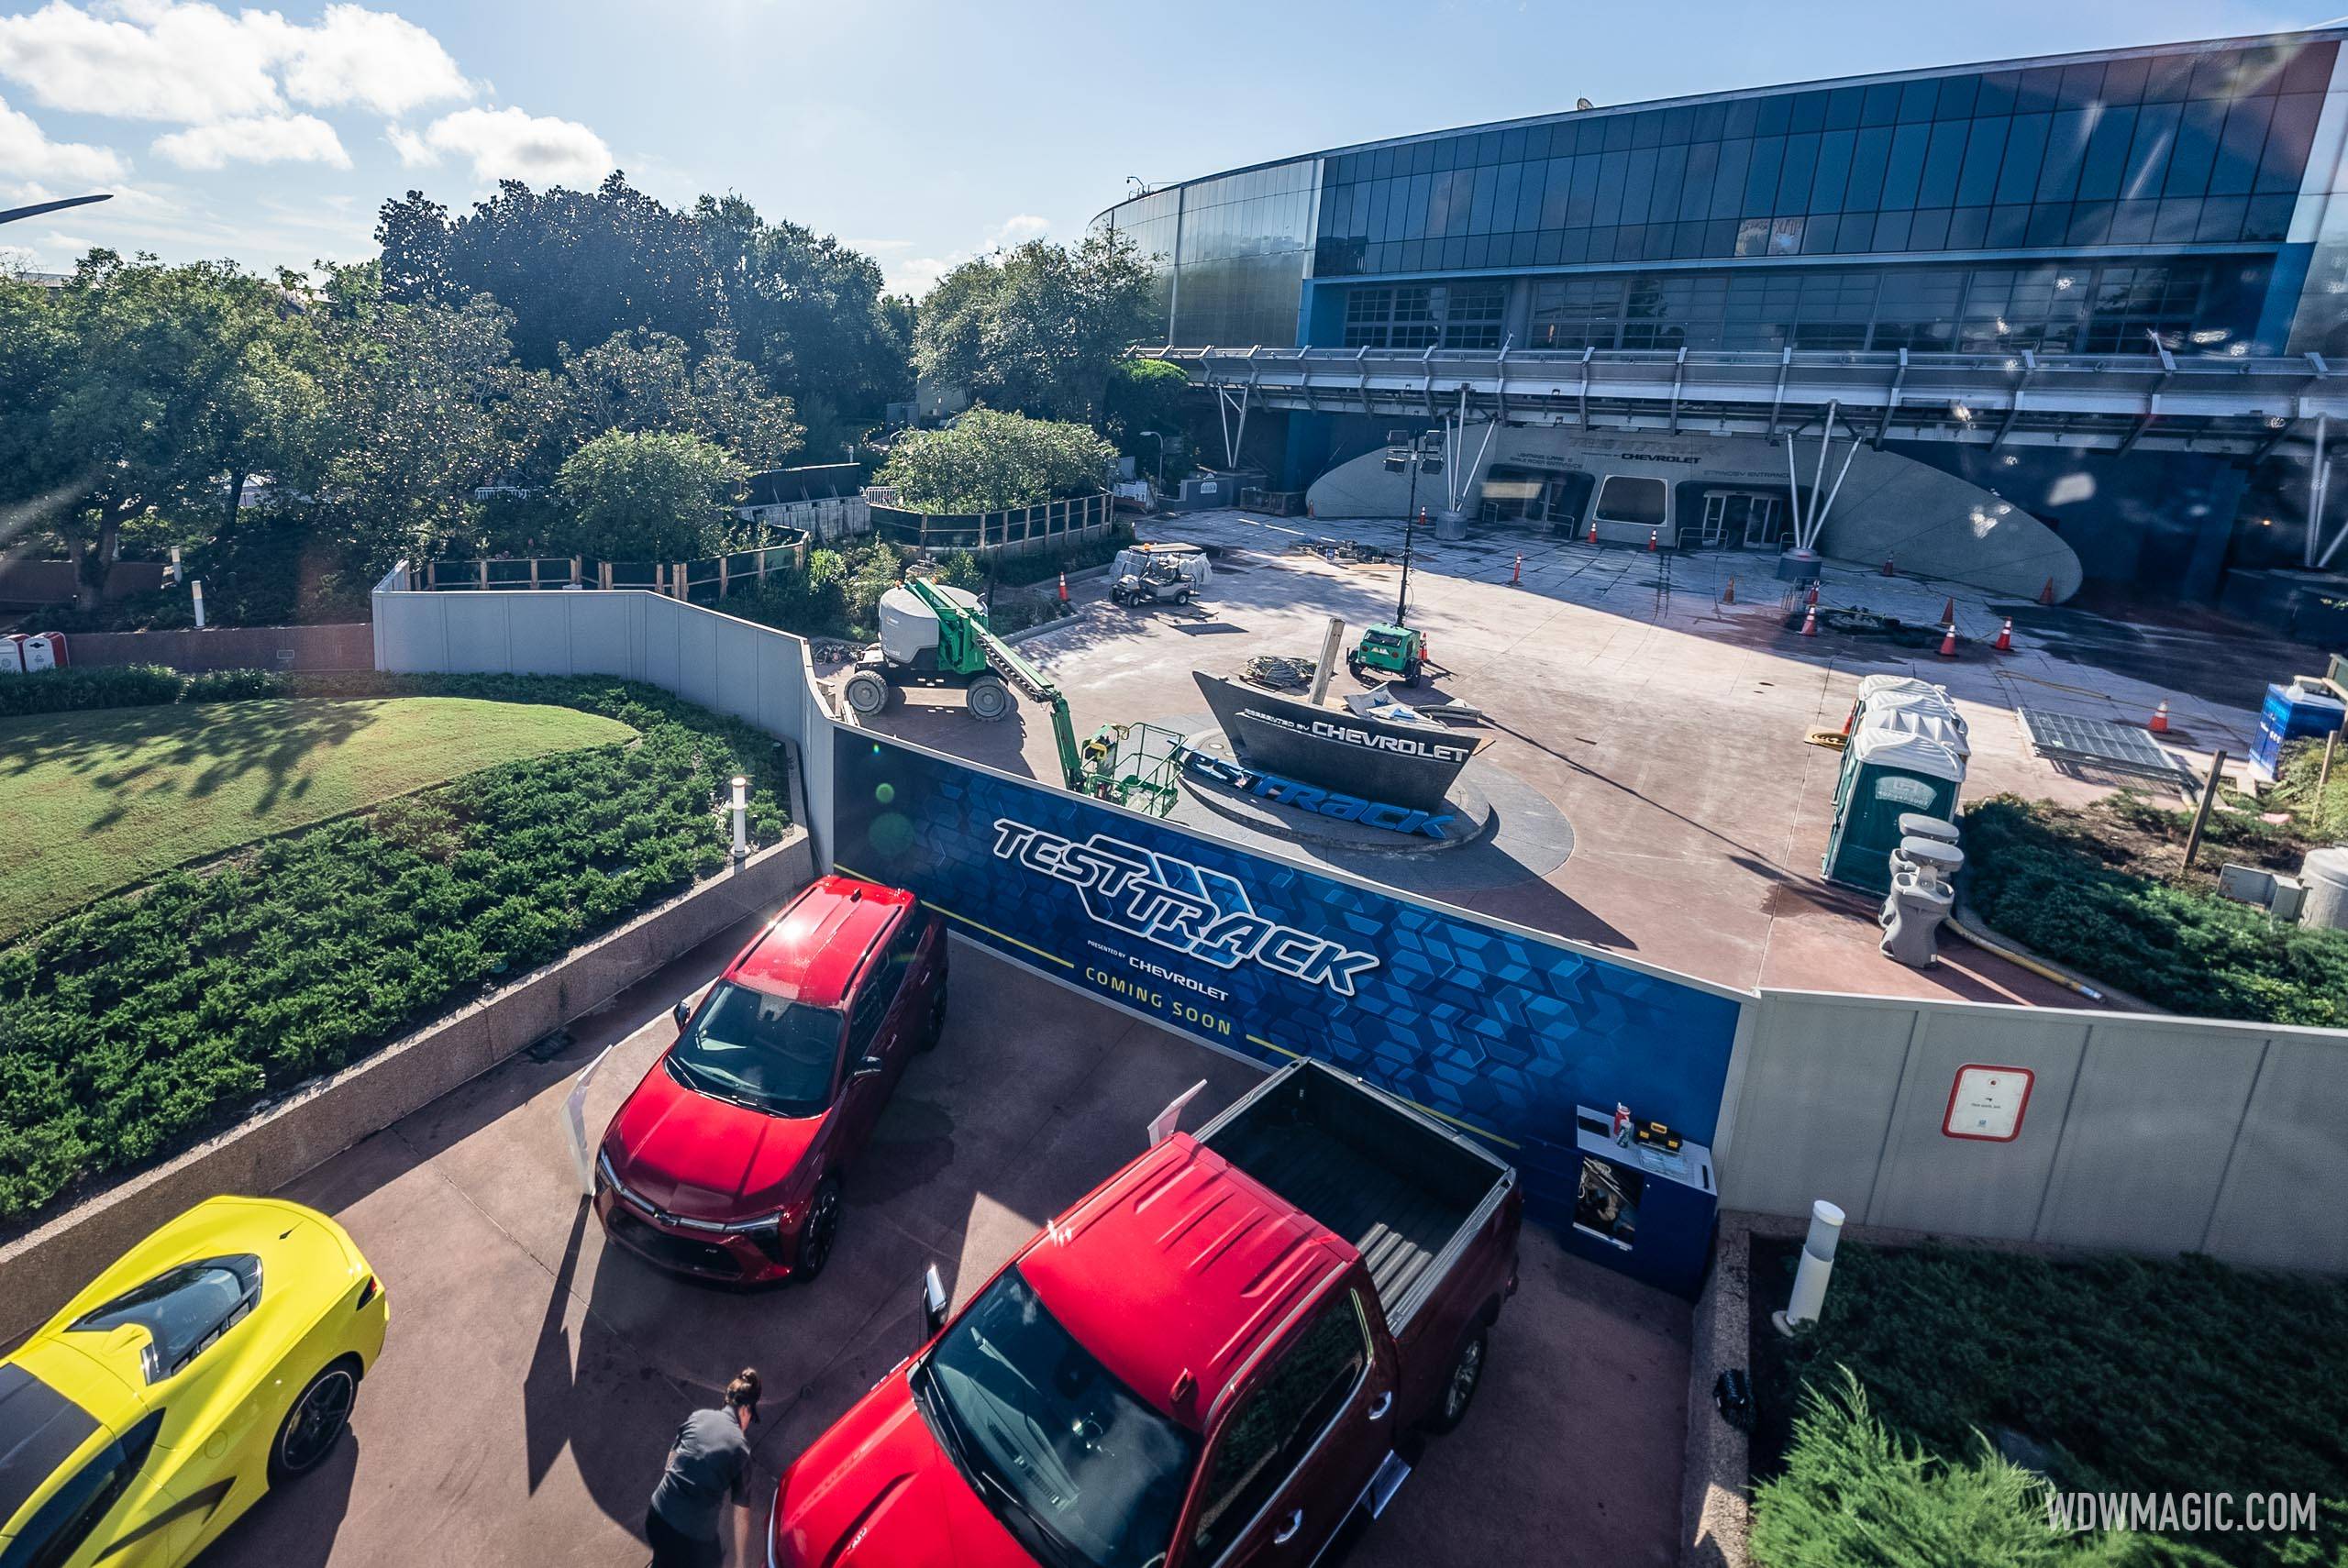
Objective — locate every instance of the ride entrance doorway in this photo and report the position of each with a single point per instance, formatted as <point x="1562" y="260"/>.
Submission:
<point x="1743" y="519"/>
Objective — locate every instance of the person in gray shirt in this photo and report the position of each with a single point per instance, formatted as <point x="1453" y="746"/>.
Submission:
<point x="708" y="1464"/>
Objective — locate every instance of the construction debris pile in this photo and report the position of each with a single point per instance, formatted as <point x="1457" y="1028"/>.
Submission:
<point x="1278" y="672"/>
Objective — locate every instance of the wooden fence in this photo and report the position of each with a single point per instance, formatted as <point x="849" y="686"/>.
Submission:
<point x="719" y="574"/>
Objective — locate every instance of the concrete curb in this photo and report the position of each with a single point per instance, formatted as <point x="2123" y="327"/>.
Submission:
<point x="42" y="1269"/>
<point x="1715" y="1510"/>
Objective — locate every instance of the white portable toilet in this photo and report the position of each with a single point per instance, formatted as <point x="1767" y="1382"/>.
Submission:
<point x="12" y="654"/>
<point x="1921" y="718"/>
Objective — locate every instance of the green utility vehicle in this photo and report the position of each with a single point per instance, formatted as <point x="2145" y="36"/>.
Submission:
<point x="932" y="634"/>
<point x="1397" y="651"/>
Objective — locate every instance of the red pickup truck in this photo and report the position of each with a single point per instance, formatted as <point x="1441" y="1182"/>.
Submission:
<point x="1211" y="1360"/>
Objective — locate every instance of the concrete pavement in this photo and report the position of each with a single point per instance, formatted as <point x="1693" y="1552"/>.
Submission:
<point x="533" y="1376"/>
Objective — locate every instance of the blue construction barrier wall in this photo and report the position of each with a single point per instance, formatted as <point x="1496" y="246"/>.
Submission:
<point x="1496" y="1029"/>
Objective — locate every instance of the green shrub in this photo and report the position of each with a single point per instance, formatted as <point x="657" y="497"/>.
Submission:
<point x="62" y="690"/>
<point x="143" y="1020"/>
<point x="2195" y="953"/>
<point x="2134" y="1376"/>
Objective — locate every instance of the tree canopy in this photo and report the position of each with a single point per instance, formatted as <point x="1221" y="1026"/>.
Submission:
<point x="1038" y="328"/>
<point x="640" y="495"/>
<point x="990" y="462"/>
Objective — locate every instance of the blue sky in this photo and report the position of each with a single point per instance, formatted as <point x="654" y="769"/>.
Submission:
<point x="923" y="133"/>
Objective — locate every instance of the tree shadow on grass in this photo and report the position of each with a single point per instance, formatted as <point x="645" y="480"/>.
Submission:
<point x="194" y="752"/>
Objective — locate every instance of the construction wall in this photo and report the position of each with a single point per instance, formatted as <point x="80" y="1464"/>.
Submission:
<point x="2155" y="1135"/>
<point x="330" y="647"/>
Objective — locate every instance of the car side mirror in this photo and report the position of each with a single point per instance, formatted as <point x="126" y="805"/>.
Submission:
<point x="934" y="1303"/>
<point x="866" y="1066"/>
<point x="682" y="1012"/>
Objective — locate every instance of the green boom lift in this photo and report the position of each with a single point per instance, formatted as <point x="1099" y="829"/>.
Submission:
<point x="932" y="634"/>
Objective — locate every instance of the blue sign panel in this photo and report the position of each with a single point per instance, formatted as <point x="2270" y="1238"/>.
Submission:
<point x="1496" y="1032"/>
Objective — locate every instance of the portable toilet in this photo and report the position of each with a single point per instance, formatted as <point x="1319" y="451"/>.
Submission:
<point x="1922" y="719"/>
<point x="1892" y="773"/>
<point x="1903" y="703"/>
<point x="12" y="655"/>
<point x="2290" y="713"/>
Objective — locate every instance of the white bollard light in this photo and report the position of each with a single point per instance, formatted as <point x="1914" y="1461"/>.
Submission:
<point x="197" y="588"/>
<point x="741" y="816"/>
<point x="1817" y="1264"/>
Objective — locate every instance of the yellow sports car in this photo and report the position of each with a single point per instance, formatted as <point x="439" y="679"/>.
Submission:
<point x="216" y="1359"/>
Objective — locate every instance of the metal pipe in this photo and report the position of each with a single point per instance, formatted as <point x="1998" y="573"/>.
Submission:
<point x="1818" y="479"/>
<point x="1848" y="453"/>
<point x="2316" y="488"/>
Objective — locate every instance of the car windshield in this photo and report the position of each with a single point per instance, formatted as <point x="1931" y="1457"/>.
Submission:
<point x="183" y="1309"/>
<point x="761" y="1050"/>
<point x="1070" y="1460"/>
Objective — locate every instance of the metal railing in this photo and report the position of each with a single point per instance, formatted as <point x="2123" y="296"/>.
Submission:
<point x="677" y="580"/>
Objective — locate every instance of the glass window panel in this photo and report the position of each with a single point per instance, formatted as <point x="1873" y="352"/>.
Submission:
<point x="1823" y="230"/>
<point x="1678" y="123"/>
<point x="2167" y="77"/>
<point x="1879" y="104"/>
<point x="1833" y="175"/>
<point x="1455" y="253"/>
<point x="2091" y="223"/>
<point x="2039" y="90"/>
<point x="1646" y="130"/>
<point x="1484" y="205"/>
<point x="2131" y="222"/>
<point x="2008" y="226"/>
<point x="2239" y="146"/>
<point x="1891" y="230"/>
<point x="2309" y="67"/>
<point x="1917" y="100"/>
<point x="2066" y="146"/>
<point x="1869" y="153"/>
<point x="1929" y="231"/>
<point x="1944" y="160"/>
<point x="1696" y="186"/>
<point x="2148" y="155"/>
<point x="2216" y="75"/>
<point x="1532" y="180"/>
<point x="1858" y="232"/>
<point x="2176" y="219"/>
<point x="1710" y="122"/>
<point x="1487" y="148"/>
<point x="1580" y="185"/>
<point x="2050" y="223"/>
<point x="1446" y="153"/>
<point x="2284" y="162"/>
<point x="1795" y="174"/>
<point x="1996" y="94"/>
<point x="2025" y="146"/>
<point x="1752" y="236"/>
<point x="1957" y="96"/>
<point x="2268" y="217"/>
<point x="2196" y="148"/>
<point x="1728" y="181"/>
<point x="1985" y="150"/>
<point x="1743" y="118"/>
<point x="1638" y="182"/>
<point x="1616" y="130"/>
<point x="1422" y="159"/>
<point x="2123" y="80"/>
<point x="2220" y="221"/>
<point x="1415" y="192"/>
<point x="2082" y="85"/>
<point x="1614" y="170"/>
<point x="1968" y="228"/>
<point x="2106" y="152"/>
<point x="1761" y="177"/>
<point x="1843" y="107"/>
<point x="1809" y="112"/>
<point x="1720" y="236"/>
<point x="1771" y="115"/>
<point x="1512" y="145"/>
<point x="1785" y="237"/>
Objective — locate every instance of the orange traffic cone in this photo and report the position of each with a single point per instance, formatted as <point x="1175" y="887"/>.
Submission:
<point x="1593" y="532"/>
<point x="2005" y="642"/>
<point x="1886" y="568"/>
<point x="2046" y="594"/>
<point x="1516" y="573"/>
<point x="1063" y="588"/>
<point x="1810" y="621"/>
<point x="1948" y="612"/>
<point x="1651" y="534"/>
<point x="1948" y="642"/>
<point x="1813" y="593"/>
<point x="1728" y="594"/>
<point x="2159" y="725"/>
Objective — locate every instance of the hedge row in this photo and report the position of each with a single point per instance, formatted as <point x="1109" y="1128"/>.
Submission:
<point x="149" y="1018"/>
<point x="2191" y="952"/>
<point x="132" y="686"/>
<point x="2126" y="1375"/>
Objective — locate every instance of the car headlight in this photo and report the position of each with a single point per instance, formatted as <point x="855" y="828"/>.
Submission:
<point x="604" y="1169"/>
<point x="763" y="1222"/>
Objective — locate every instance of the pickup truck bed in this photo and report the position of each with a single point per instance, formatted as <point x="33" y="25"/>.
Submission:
<point x="1376" y="1173"/>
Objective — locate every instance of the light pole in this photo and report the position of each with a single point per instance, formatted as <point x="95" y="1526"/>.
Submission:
<point x="1161" y="458"/>
<point x="1423" y="450"/>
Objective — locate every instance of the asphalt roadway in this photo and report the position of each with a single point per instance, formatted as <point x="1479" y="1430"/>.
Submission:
<point x="534" y="1376"/>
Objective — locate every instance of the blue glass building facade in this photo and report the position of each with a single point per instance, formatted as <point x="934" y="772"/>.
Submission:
<point x="2087" y="204"/>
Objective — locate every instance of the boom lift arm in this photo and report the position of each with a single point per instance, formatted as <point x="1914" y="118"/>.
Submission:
<point x="966" y="645"/>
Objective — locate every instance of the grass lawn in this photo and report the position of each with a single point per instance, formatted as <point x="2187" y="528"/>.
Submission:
<point x="100" y="800"/>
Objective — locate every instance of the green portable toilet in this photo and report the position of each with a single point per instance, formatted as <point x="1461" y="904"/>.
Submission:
<point x="1891" y="773"/>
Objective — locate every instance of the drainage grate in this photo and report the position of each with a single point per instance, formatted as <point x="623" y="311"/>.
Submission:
<point x="2124" y="749"/>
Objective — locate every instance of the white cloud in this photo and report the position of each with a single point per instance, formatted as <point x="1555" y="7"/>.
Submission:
<point x="257" y="138"/>
<point x="190" y="63"/>
<point x="27" y="153"/>
<point x="507" y="144"/>
<point x="916" y="275"/>
<point x="1021" y="227"/>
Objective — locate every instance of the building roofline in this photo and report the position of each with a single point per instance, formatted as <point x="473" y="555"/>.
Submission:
<point x="2078" y="57"/>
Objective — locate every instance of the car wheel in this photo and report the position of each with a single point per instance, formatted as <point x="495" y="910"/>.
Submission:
<point x="988" y="699"/>
<point x="315" y="1424"/>
<point x="822" y="1229"/>
<point x="866" y="692"/>
<point x="933" y="1029"/>
<point x="1459" y="1385"/>
<point x="1410" y="675"/>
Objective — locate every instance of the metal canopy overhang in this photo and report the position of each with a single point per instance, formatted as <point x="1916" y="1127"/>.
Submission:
<point x="2220" y="405"/>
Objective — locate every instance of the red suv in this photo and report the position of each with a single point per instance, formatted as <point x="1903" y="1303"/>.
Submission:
<point x="726" y="1163"/>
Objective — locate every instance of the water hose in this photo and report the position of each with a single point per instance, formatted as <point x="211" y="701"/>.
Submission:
<point x="2043" y="971"/>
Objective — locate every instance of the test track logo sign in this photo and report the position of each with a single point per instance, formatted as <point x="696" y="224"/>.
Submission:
<point x="1178" y="905"/>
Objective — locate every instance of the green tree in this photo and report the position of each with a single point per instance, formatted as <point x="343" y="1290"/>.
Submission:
<point x="646" y="381"/>
<point x="136" y="387"/>
<point x="1039" y="327"/>
<point x="1145" y="394"/>
<point x="991" y="461"/>
<point x="639" y="495"/>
